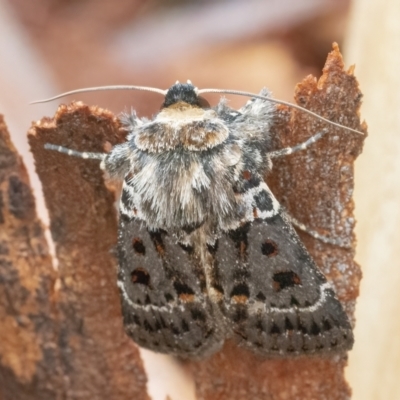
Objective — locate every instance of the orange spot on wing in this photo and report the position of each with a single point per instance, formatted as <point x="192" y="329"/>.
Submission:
<point x="187" y="297"/>
<point x="241" y="299"/>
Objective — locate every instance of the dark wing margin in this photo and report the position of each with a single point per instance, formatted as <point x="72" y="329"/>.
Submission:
<point x="164" y="302"/>
<point x="274" y="294"/>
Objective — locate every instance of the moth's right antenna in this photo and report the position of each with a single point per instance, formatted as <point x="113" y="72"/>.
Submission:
<point x="276" y="101"/>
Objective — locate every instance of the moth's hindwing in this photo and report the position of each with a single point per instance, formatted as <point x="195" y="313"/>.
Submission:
<point x="277" y="299"/>
<point x="165" y="304"/>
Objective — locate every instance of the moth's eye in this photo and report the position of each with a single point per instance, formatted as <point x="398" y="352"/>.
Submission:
<point x="140" y="275"/>
<point x="285" y="279"/>
<point x="138" y="246"/>
<point x="269" y="248"/>
<point x="203" y="103"/>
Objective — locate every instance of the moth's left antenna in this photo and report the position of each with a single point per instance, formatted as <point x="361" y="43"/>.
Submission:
<point x="95" y="89"/>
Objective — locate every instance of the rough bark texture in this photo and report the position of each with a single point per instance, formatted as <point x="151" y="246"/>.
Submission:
<point x="28" y="345"/>
<point x="65" y="339"/>
<point x="315" y="186"/>
<point x="62" y="335"/>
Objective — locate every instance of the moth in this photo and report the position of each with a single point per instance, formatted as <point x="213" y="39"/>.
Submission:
<point x="205" y="251"/>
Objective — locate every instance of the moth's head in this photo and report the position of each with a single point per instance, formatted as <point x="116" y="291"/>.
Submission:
<point x="184" y="93"/>
<point x="185" y="121"/>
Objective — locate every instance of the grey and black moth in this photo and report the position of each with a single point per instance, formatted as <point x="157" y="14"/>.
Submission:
<point x="205" y="251"/>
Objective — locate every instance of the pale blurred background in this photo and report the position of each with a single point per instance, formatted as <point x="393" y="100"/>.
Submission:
<point x="49" y="46"/>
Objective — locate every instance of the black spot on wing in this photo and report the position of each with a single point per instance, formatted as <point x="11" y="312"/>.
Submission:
<point x="294" y="301"/>
<point x="275" y="329"/>
<point x="157" y="325"/>
<point x="184" y="325"/>
<point x="138" y="246"/>
<point x="136" y="320"/>
<point x="168" y="297"/>
<point x="174" y="329"/>
<point x="183" y="289"/>
<point x="285" y="279"/>
<point x="315" y="329"/>
<point x="288" y="324"/>
<point x="269" y="248"/>
<point x="242" y="289"/>
<point x="240" y="239"/>
<point x="260" y="296"/>
<point x="148" y="327"/>
<point x="162" y="322"/>
<point x="197" y="315"/>
<point x="326" y="325"/>
<point x="263" y="201"/>
<point x="140" y="276"/>
<point x="253" y="182"/>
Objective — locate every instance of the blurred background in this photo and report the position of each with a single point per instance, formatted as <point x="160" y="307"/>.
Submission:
<point x="50" y="46"/>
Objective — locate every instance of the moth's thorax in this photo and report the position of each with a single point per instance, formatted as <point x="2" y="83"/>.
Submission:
<point x="181" y="126"/>
<point x="180" y="189"/>
<point x="188" y="166"/>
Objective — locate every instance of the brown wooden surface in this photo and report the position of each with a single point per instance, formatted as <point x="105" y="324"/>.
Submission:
<point x="61" y="335"/>
<point x="29" y="362"/>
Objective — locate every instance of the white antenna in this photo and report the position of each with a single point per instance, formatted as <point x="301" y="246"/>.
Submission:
<point x="276" y="101"/>
<point x="98" y="88"/>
